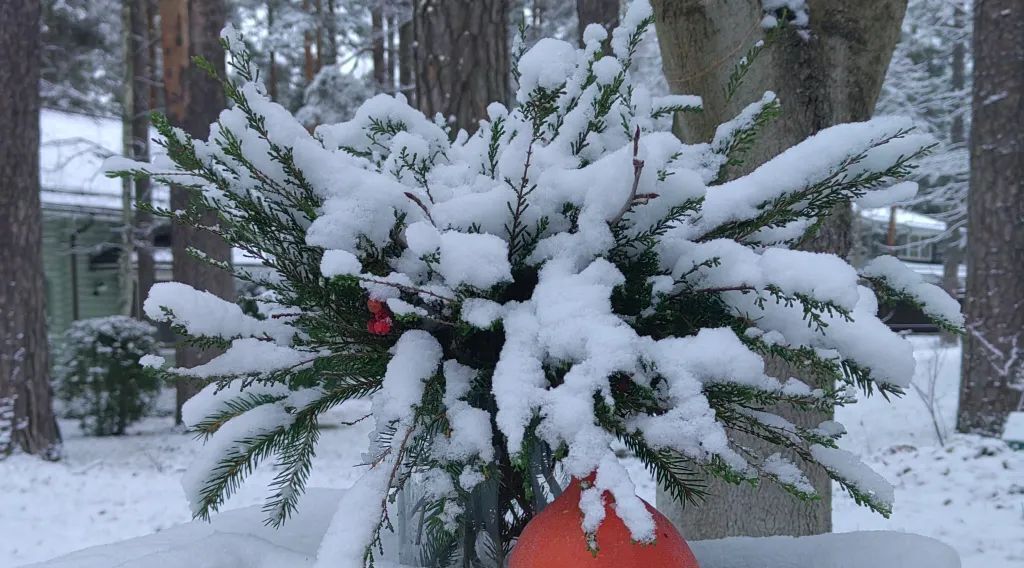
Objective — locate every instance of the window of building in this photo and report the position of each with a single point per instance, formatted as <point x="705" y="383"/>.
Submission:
<point x="916" y="247"/>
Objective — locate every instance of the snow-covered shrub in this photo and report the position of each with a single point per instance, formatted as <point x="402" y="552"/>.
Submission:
<point x="333" y="96"/>
<point x="515" y="301"/>
<point x="98" y="376"/>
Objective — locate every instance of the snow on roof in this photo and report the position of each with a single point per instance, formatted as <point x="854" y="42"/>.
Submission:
<point x="71" y="153"/>
<point x="163" y="256"/>
<point x="904" y="218"/>
<point x="933" y="270"/>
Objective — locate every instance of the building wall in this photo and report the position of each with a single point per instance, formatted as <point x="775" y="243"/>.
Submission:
<point x="97" y="282"/>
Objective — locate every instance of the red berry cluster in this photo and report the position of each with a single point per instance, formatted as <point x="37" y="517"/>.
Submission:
<point x="380" y="322"/>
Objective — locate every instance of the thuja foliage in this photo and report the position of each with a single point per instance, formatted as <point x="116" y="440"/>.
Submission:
<point x="98" y="376"/>
<point x="516" y="304"/>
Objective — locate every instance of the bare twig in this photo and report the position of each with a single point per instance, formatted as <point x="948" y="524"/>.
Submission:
<point x="638" y="169"/>
<point x="405" y="288"/>
<point x="422" y="205"/>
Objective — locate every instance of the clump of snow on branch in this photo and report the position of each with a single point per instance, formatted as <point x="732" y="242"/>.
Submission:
<point x="544" y="274"/>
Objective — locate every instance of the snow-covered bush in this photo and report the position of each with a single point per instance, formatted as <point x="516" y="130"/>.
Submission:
<point x="98" y="376"/>
<point x="515" y="301"/>
<point x="333" y="96"/>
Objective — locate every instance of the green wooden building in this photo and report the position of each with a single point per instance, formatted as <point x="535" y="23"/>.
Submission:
<point x="82" y="219"/>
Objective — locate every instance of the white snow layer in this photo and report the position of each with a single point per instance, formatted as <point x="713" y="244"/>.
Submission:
<point x="239" y="539"/>
<point x="934" y="301"/>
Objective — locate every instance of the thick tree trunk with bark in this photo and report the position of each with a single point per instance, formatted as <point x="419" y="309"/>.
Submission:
<point x="192" y="28"/>
<point x="993" y="355"/>
<point x="26" y="414"/>
<point x="462" y="58"/>
<point x="603" y="12"/>
<point x="834" y="75"/>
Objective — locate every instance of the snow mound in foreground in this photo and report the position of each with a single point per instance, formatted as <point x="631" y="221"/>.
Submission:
<point x="239" y="539"/>
<point x="867" y="549"/>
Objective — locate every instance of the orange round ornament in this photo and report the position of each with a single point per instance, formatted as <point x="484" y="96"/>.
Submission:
<point x="555" y="539"/>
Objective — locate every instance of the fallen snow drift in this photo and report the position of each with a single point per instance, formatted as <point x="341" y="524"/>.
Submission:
<point x="234" y="539"/>
<point x="868" y="549"/>
<point x="239" y="539"/>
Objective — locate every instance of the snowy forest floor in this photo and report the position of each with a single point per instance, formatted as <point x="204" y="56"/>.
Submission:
<point x="969" y="493"/>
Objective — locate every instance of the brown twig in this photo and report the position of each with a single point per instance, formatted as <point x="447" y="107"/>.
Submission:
<point x="638" y="168"/>
<point x="422" y="205"/>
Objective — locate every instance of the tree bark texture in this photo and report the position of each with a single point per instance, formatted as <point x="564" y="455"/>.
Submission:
<point x="462" y="58"/>
<point x="831" y="76"/>
<point x="194" y="100"/>
<point x="993" y="355"/>
<point x="139" y="79"/>
<point x="26" y="414"/>
<point x="603" y="12"/>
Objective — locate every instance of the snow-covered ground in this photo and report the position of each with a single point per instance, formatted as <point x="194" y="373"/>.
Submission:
<point x="969" y="493"/>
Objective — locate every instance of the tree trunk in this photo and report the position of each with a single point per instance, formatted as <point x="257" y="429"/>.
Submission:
<point x="406" y="61"/>
<point x="308" y="69"/>
<point x="26" y="413"/>
<point x="953" y="243"/>
<point x="392" y="50"/>
<point x="832" y="76"/>
<point x="330" y="24"/>
<point x="192" y="28"/>
<point x="319" y="7"/>
<point x="138" y="80"/>
<point x="603" y="12"/>
<point x="126" y="268"/>
<point x="271" y="55"/>
<point x="992" y="361"/>
<point x="380" y="69"/>
<point x="462" y="58"/>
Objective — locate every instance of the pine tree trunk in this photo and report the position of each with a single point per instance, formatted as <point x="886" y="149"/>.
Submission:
<point x="192" y="28"/>
<point x="319" y="7"/>
<point x="126" y="268"/>
<point x="392" y="50"/>
<point x="603" y="12"/>
<point x="992" y="360"/>
<point x="462" y="58"/>
<point x="833" y="76"/>
<point x="309" y="66"/>
<point x="26" y="414"/>
<point x="406" y="61"/>
<point x="138" y="75"/>
<point x="330" y="25"/>
<point x="952" y="245"/>
<point x="380" y="70"/>
<point x="271" y="55"/>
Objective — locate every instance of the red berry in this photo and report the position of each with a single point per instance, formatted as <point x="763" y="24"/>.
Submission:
<point x="375" y="306"/>
<point x="379" y="325"/>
